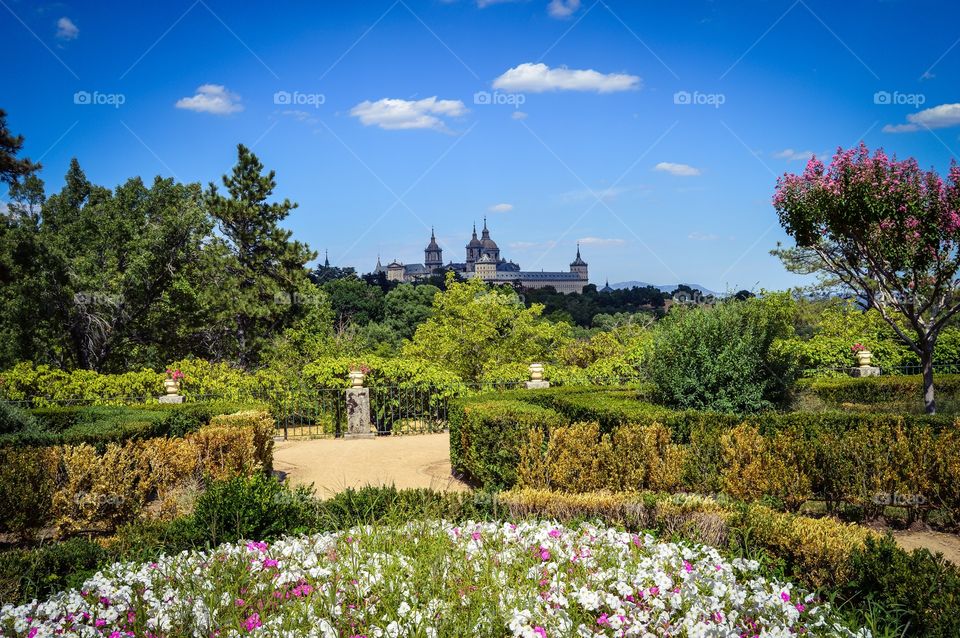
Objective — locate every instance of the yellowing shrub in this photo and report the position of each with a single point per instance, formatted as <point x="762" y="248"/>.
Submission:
<point x="262" y="428"/>
<point x="818" y="548"/>
<point x="27" y="483"/>
<point x="99" y="491"/>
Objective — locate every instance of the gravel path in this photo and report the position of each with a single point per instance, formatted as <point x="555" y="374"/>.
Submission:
<point x="333" y="465"/>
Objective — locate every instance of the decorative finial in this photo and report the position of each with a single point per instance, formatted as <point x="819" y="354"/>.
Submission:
<point x="326" y="258"/>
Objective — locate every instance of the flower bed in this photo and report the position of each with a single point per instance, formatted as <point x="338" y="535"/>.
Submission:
<point x="530" y="579"/>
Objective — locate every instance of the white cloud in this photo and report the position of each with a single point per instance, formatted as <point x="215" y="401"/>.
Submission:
<point x="389" y="113"/>
<point x="563" y="8"/>
<point x="66" y="29"/>
<point x="501" y="208"/>
<point x="927" y="75"/>
<point x="942" y="116"/>
<point x="698" y="236"/>
<point x="601" y="241"/>
<point x="537" y="78"/>
<point x="518" y="115"/>
<point x="211" y="98"/>
<point x="681" y="170"/>
<point x="792" y="155"/>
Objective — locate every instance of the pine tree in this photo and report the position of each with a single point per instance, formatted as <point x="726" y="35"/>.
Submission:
<point x="12" y="168"/>
<point x="264" y="266"/>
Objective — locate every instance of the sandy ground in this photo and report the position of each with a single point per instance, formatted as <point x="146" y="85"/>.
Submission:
<point x="946" y="544"/>
<point x="333" y="465"/>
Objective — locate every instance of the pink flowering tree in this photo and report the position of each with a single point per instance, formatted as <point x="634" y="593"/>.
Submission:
<point x="886" y="230"/>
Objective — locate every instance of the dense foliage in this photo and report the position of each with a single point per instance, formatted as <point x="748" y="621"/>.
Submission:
<point x="722" y="358"/>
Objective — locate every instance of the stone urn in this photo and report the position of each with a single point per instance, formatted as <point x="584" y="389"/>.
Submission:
<point x="536" y="372"/>
<point x="171" y="386"/>
<point x="356" y="378"/>
<point x="864" y="358"/>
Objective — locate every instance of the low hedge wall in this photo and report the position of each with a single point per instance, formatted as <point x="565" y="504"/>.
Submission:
<point x="78" y="487"/>
<point x="882" y="389"/>
<point x="100" y="425"/>
<point x="870" y="466"/>
<point x="868" y="459"/>
<point x="486" y="436"/>
<point x="916" y="590"/>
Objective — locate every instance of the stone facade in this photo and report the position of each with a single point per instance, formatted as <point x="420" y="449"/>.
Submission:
<point x="483" y="261"/>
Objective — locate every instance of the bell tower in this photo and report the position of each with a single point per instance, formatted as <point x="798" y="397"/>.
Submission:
<point x="433" y="254"/>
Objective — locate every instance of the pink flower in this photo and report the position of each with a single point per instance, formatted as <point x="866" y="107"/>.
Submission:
<point x="554" y="533"/>
<point x="476" y="536"/>
<point x="603" y="619"/>
<point x="687" y="566"/>
<point x="252" y="622"/>
<point x="544" y="553"/>
<point x="540" y="631"/>
<point x="269" y="562"/>
<point x="785" y="597"/>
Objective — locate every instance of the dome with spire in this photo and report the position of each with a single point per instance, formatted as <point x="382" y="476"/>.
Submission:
<point x="485" y="240"/>
<point x="579" y="260"/>
<point x="433" y="241"/>
<point x="474" y="242"/>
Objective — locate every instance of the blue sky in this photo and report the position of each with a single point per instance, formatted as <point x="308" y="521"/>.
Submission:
<point x="652" y="132"/>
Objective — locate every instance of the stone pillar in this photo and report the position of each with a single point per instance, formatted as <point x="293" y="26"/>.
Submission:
<point x="536" y="381"/>
<point x="865" y="371"/>
<point x="358" y="414"/>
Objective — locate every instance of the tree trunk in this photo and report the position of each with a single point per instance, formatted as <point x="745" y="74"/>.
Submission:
<point x="926" y="359"/>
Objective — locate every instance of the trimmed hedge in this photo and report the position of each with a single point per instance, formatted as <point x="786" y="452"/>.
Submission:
<point x="882" y="389"/>
<point x="866" y="459"/>
<point x="77" y="487"/>
<point x="485" y="437"/>
<point x="100" y="425"/>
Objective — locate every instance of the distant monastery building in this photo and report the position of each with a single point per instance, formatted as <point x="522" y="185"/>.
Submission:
<point x="484" y="262"/>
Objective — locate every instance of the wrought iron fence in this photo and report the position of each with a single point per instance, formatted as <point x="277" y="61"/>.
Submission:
<point x="305" y="411"/>
<point x="903" y="370"/>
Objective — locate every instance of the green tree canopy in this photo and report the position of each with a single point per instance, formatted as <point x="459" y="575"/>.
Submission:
<point x="265" y="267"/>
<point x="474" y="326"/>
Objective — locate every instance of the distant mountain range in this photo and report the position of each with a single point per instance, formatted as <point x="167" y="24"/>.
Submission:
<point x="665" y="288"/>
